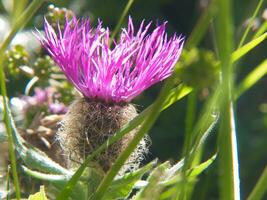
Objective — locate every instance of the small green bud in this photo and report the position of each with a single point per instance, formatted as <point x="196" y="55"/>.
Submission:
<point x="199" y="68"/>
<point x="14" y="58"/>
<point x="57" y="16"/>
<point x="43" y="67"/>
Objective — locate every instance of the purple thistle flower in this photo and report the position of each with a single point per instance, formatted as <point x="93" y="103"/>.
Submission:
<point x="44" y="97"/>
<point x="137" y="61"/>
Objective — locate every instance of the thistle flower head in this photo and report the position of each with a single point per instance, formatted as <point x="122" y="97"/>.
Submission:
<point x="138" y="59"/>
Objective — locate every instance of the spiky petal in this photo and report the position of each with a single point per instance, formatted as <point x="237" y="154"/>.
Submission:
<point x="137" y="61"/>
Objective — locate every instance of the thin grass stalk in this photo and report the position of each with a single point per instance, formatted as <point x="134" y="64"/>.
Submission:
<point x="11" y="149"/>
<point x="8" y="182"/>
<point x="250" y="23"/>
<point x="123" y="15"/>
<point x="19" y="24"/>
<point x="201" y="27"/>
<point x="229" y="172"/>
<point x="189" y="120"/>
<point x="204" y="123"/>
<point x="146" y="126"/>
<point x="261" y="30"/>
<point x="251" y="79"/>
<point x="261" y="187"/>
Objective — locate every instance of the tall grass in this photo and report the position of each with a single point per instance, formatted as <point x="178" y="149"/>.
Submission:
<point x="218" y="109"/>
<point x="18" y="25"/>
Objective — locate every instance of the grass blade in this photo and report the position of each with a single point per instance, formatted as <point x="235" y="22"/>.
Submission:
<point x="124" y="13"/>
<point x="252" y="78"/>
<point x="189" y="120"/>
<point x="260" y="189"/>
<point x="19" y="24"/>
<point x="201" y="26"/>
<point x="240" y="52"/>
<point x="250" y="23"/>
<point x="228" y="157"/>
<point x="261" y="30"/>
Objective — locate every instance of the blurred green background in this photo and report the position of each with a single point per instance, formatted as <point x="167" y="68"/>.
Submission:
<point x="167" y="136"/>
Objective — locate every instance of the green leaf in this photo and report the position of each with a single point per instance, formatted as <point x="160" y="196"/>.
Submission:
<point x="32" y="156"/>
<point x="59" y="181"/>
<point x="252" y="78"/>
<point x="166" y="178"/>
<point x="195" y="171"/>
<point x="39" y="195"/>
<point x="190" y="173"/>
<point x="122" y="186"/>
<point x="45" y="177"/>
<point x="236" y="55"/>
<point x="251" y="20"/>
<point x="261" y="187"/>
<point x="176" y="94"/>
<point x="153" y="188"/>
<point x="261" y="30"/>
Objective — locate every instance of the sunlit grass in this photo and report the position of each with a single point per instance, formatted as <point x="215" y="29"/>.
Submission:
<point x="173" y="181"/>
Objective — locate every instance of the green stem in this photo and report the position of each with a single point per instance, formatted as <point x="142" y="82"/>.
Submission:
<point x="149" y="121"/>
<point x="8" y="182"/>
<point x="18" y="7"/>
<point x="250" y="23"/>
<point x="201" y="26"/>
<point x="260" y="189"/>
<point x="19" y="24"/>
<point x="124" y="13"/>
<point x="189" y="121"/>
<point x="261" y="30"/>
<point x="229" y="179"/>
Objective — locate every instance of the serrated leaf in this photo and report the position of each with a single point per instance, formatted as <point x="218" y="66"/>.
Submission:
<point x="153" y="188"/>
<point x="39" y="195"/>
<point x="121" y="187"/>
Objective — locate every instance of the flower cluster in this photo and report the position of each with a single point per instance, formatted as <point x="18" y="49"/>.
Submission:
<point x="138" y="59"/>
<point x="44" y="97"/>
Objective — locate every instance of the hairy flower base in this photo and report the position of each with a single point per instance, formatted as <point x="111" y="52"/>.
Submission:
<point x="88" y="124"/>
